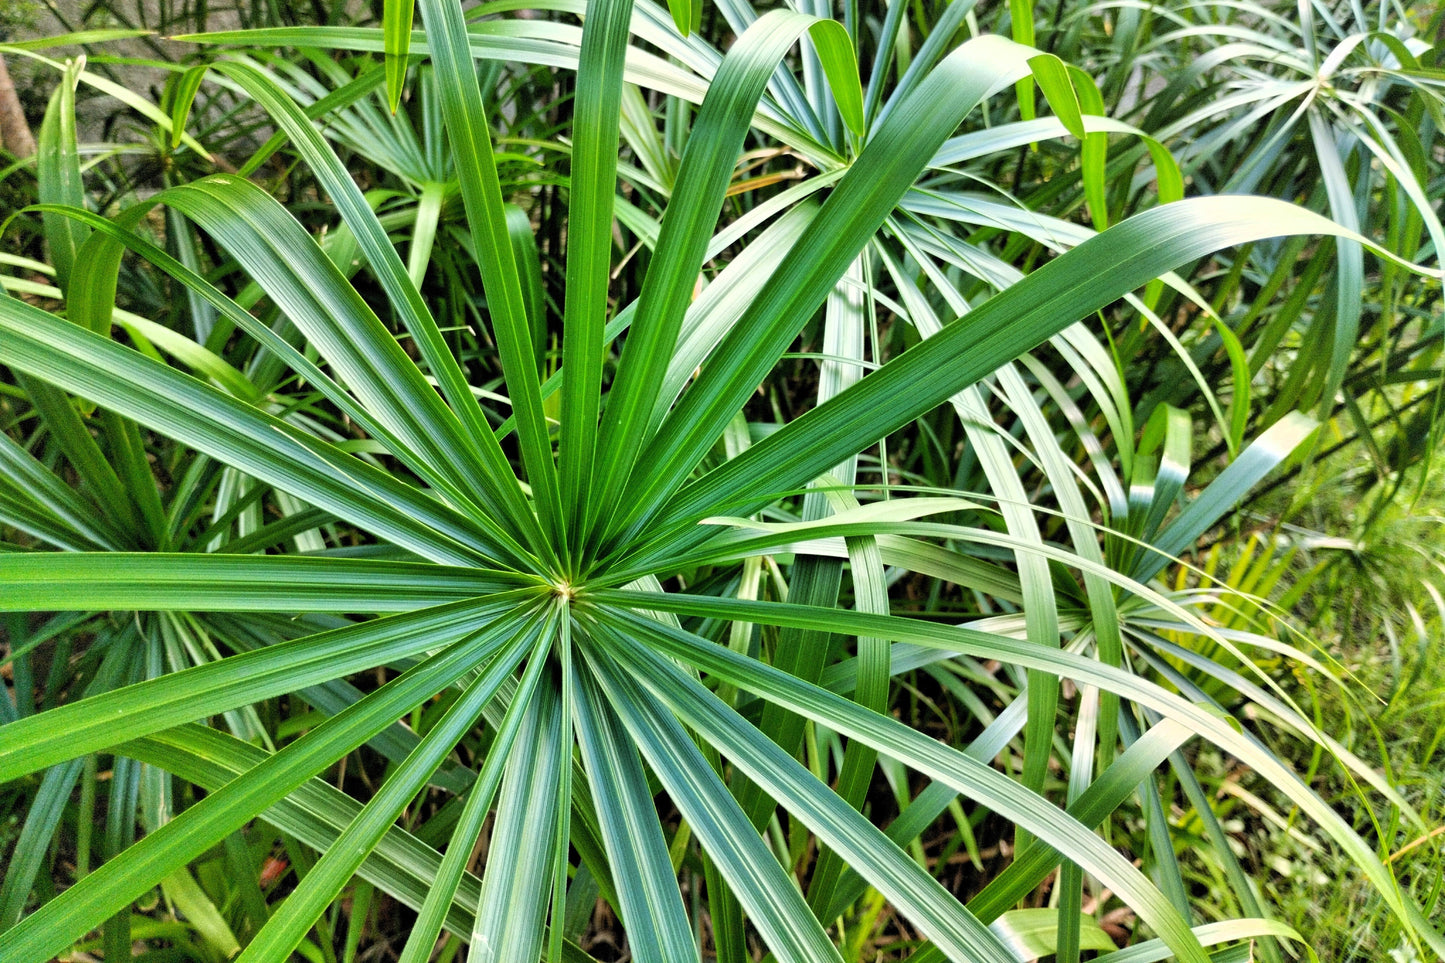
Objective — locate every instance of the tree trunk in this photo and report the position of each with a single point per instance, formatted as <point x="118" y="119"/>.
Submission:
<point x="15" y="135"/>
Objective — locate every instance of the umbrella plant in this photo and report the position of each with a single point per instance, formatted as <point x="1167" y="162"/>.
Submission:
<point x="627" y="608"/>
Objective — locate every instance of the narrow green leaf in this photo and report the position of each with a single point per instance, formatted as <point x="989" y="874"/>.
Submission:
<point x="467" y="131"/>
<point x="593" y="185"/>
<point x="658" y="930"/>
<point x="913" y="748"/>
<point x="76" y="38"/>
<point x="305" y="284"/>
<point x="1211" y="934"/>
<point x="1053" y="79"/>
<point x="315" y="813"/>
<point x="1349" y="264"/>
<point x="32" y="844"/>
<point x="149" y="334"/>
<point x="58" y="174"/>
<point x="295" y="917"/>
<point x="1059" y="468"/>
<point x="447" y="884"/>
<point x="529" y="263"/>
<point x="703" y="175"/>
<point x="396" y="19"/>
<point x="1276" y="444"/>
<point x="100" y="263"/>
<point x="1040" y="606"/>
<point x="840" y="65"/>
<point x="910" y="889"/>
<point x="1071" y="286"/>
<point x="856" y="208"/>
<point x="492" y="481"/>
<point x="424" y="231"/>
<point x="153" y="582"/>
<point x="844" y="324"/>
<point x="1102" y="797"/>
<point x="72" y="435"/>
<point x="83" y="906"/>
<point x="196" y="414"/>
<point x="1021" y="26"/>
<point x="344" y="96"/>
<point x="1032" y="933"/>
<point x="182" y="889"/>
<point x="1094" y="156"/>
<point x="120" y="92"/>
<point x="774" y="905"/>
<point x="90" y="725"/>
<point x="183" y="92"/>
<point x="682" y="15"/>
<point x="25" y="476"/>
<point x="750" y="674"/>
<point x="1169" y="430"/>
<point x="512" y="908"/>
